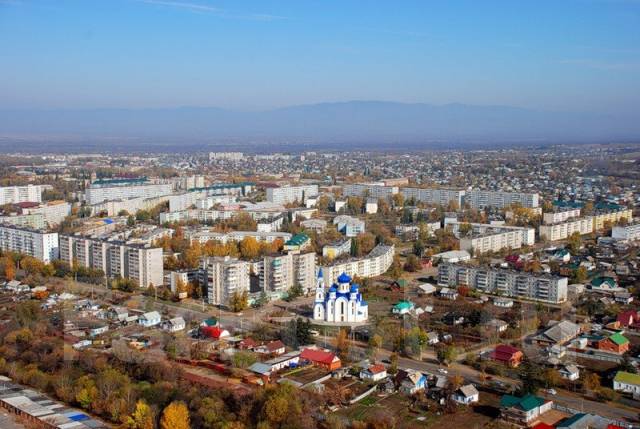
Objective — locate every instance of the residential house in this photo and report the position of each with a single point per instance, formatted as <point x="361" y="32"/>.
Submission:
<point x="174" y="325"/>
<point x="321" y="358"/>
<point x="118" y="314"/>
<point x="523" y="410"/>
<point x="466" y="394"/>
<point x="411" y="381"/>
<point x="403" y="307"/>
<point x="453" y="318"/>
<point x="374" y="373"/>
<point x="628" y="383"/>
<point x="247" y="344"/>
<point x="503" y="302"/>
<point x="507" y="355"/>
<point x="449" y="293"/>
<point x="629" y="319"/>
<point x="496" y="326"/>
<point x="569" y="372"/>
<point x="150" y="319"/>
<point x="616" y="343"/>
<point x="214" y="332"/>
<point x="271" y="348"/>
<point x="559" y="333"/>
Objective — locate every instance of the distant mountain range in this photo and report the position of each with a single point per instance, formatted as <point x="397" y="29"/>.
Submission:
<point x="354" y="122"/>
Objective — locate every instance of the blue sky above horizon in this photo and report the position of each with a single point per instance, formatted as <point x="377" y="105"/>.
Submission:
<point x="567" y="55"/>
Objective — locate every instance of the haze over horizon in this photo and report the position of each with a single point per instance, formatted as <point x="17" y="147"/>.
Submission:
<point x="547" y="70"/>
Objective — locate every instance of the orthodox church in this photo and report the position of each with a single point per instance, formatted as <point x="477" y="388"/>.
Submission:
<point x="341" y="303"/>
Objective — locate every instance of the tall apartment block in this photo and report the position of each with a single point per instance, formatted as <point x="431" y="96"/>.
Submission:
<point x="36" y="243"/>
<point x="21" y="194"/>
<point x="289" y="194"/>
<point x="107" y="190"/>
<point x="280" y="273"/>
<point x="225" y="276"/>
<point x="436" y="197"/>
<point x="505" y="282"/>
<point x="371" y="190"/>
<point x="479" y="199"/>
<point x="138" y="262"/>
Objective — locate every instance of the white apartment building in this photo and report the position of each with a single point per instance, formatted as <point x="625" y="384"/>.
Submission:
<point x="436" y="197"/>
<point x="376" y="263"/>
<point x="35" y="221"/>
<point x="229" y="156"/>
<point x="560" y="215"/>
<point x="204" y="235"/>
<point x="115" y="258"/>
<point x="528" y="234"/>
<point x="371" y="190"/>
<point x="97" y="194"/>
<point x="225" y="276"/>
<point x="492" y="241"/>
<point x="54" y="212"/>
<point x="504" y="282"/>
<point x="563" y="230"/>
<point x="628" y="232"/>
<point x="21" y="194"/>
<point x="280" y="273"/>
<point x="289" y="194"/>
<point x="131" y="206"/>
<point x="36" y="243"/>
<point x="479" y="199"/>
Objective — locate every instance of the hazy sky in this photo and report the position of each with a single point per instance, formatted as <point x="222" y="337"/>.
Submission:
<point x="559" y="54"/>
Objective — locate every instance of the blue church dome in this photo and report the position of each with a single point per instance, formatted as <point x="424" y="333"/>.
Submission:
<point x="344" y="278"/>
<point x="354" y="288"/>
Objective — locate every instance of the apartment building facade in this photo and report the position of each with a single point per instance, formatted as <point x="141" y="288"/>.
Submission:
<point x="54" y="212"/>
<point x="528" y="234"/>
<point x="505" y="282"/>
<point x="601" y="218"/>
<point x="479" y="199"/>
<point x="560" y="215"/>
<point x="563" y="230"/>
<point x="97" y="193"/>
<point x="224" y="277"/>
<point x="21" y="194"/>
<point x="371" y="190"/>
<point x="436" y="197"/>
<point x="376" y="263"/>
<point x="492" y="241"/>
<point x="32" y="242"/>
<point x="138" y="262"/>
<point x="289" y="194"/>
<point x="279" y="273"/>
<point x="626" y="232"/>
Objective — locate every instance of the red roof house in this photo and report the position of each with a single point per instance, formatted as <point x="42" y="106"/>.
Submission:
<point x="247" y="344"/>
<point x="507" y="355"/>
<point x="321" y="358"/>
<point x="214" y="332"/>
<point x="629" y="318"/>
